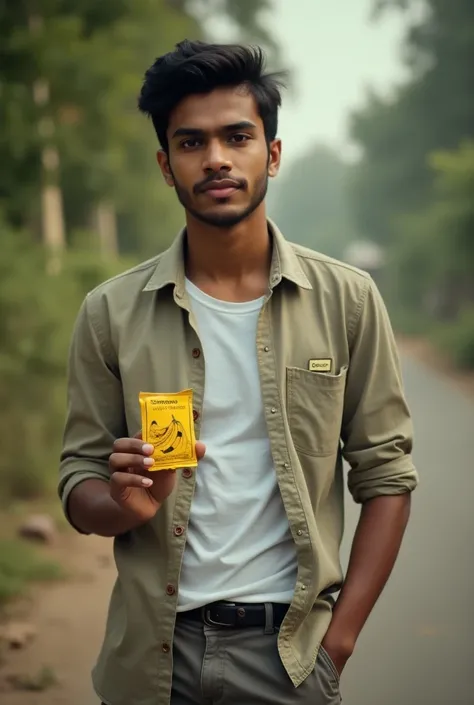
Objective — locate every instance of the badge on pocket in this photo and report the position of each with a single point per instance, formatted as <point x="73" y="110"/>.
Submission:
<point x="320" y="365"/>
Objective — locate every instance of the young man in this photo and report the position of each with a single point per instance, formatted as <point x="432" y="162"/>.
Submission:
<point x="227" y="575"/>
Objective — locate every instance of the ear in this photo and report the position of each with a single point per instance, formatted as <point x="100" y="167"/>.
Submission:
<point x="274" y="158"/>
<point x="163" y="161"/>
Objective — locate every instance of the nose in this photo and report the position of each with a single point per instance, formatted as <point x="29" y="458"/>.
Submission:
<point x="216" y="158"/>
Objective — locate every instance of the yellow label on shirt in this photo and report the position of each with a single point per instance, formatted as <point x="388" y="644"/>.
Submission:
<point x="168" y="425"/>
<point x="321" y="365"/>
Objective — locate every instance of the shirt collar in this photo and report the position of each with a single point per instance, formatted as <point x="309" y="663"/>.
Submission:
<point x="285" y="264"/>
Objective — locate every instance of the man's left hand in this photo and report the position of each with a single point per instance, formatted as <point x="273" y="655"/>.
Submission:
<point x="339" y="650"/>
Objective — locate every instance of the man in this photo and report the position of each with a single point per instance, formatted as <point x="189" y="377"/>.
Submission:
<point x="227" y="575"/>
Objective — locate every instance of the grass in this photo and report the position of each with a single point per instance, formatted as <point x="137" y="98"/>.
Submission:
<point x="21" y="565"/>
<point x="38" y="682"/>
<point x="17" y="510"/>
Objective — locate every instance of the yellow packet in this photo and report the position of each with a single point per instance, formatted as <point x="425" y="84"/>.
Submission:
<point x="168" y="425"/>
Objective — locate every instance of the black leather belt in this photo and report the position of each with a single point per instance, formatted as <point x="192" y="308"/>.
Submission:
<point x="238" y="614"/>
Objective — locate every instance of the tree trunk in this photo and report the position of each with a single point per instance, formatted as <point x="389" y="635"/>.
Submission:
<point x="52" y="215"/>
<point x="105" y="222"/>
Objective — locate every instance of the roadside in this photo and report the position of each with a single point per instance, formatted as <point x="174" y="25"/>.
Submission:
<point x="426" y="352"/>
<point x="65" y="621"/>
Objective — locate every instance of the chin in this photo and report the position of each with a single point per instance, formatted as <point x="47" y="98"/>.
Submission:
<point x="222" y="217"/>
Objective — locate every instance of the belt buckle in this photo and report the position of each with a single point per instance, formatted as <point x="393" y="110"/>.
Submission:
<point x="212" y="622"/>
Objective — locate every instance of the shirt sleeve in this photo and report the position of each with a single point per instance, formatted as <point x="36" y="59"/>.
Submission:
<point x="95" y="415"/>
<point x="377" y="432"/>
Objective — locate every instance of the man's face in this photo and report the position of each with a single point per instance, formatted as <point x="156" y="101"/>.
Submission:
<point x="219" y="161"/>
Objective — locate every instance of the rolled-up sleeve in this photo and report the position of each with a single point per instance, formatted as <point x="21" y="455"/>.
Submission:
<point x="377" y="431"/>
<point x="95" y="411"/>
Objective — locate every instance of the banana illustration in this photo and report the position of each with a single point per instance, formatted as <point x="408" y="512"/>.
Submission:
<point x="180" y="444"/>
<point x="171" y="439"/>
<point x="156" y="433"/>
<point x="165" y="437"/>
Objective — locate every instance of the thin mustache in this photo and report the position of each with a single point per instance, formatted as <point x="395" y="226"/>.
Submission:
<point x="218" y="177"/>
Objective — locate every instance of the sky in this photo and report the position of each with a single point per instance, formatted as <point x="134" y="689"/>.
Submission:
<point x="335" y="53"/>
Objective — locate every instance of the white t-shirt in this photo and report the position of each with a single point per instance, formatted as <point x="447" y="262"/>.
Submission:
<point x="239" y="546"/>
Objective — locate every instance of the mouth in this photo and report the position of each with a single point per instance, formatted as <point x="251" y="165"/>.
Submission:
<point x="221" y="189"/>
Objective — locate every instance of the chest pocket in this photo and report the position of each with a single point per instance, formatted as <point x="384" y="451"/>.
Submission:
<point x="315" y="403"/>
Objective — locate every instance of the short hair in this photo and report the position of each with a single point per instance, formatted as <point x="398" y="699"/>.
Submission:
<point x="195" y="67"/>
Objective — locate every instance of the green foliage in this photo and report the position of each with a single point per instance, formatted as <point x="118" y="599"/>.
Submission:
<point x="37" y="682"/>
<point x="21" y="564"/>
<point x="92" y="57"/>
<point x="309" y="203"/>
<point x="412" y="189"/>
<point x="434" y="252"/>
<point x="37" y="312"/>
<point x="433" y="110"/>
<point x="456" y="339"/>
<point x="70" y="75"/>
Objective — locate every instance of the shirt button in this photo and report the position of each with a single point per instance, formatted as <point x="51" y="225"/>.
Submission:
<point x="273" y="410"/>
<point x="195" y="415"/>
<point x="165" y="647"/>
<point x="196" y="353"/>
<point x="300" y="532"/>
<point x="170" y="590"/>
<point x="179" y="530"/>
<point x="266" y="348"/>
<point x="187" y="473"/>
<point x="303" y="587"/>
<point x="286" y="466"/>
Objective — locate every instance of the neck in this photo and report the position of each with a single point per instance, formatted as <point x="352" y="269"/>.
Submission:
<point x="218" y="254"/>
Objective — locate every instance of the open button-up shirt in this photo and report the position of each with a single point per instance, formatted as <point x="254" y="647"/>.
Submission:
<point x="332" y="390"/>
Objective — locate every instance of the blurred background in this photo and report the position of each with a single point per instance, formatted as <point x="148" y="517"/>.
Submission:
<point x="378" y="170"/>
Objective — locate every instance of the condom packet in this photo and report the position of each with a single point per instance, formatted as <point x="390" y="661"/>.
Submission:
<point x="168" y="425"/>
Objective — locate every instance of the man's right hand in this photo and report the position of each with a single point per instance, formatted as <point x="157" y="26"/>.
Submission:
<point x="133" y="487"/>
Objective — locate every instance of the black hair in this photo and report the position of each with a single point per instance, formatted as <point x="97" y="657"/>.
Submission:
<point x="198" y="67"/>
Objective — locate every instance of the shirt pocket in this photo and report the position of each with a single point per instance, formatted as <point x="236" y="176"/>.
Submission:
<point x="315" y="403"/>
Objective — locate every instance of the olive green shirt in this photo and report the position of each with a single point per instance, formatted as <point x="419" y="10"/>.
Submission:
<point x="332" y="390"/>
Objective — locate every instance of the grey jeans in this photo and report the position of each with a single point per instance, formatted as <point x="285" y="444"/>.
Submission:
<point x="213" y="666"/>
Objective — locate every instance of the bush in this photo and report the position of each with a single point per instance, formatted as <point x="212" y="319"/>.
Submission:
<point x="456" y="339"/>
<point x="21" y="564"/>
<point x="37" y="313"/>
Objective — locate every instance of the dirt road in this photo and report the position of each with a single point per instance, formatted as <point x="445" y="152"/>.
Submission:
<point x="69" y="618"/>
<point x="417" y="647"/>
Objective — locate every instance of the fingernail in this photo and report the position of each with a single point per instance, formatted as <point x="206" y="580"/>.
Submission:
<point x="148" y="462"/>
<point x="147" y="482"/>
<point x="147" y="448"/>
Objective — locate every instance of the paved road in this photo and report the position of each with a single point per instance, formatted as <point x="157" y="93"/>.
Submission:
<point x="418" y="647"/>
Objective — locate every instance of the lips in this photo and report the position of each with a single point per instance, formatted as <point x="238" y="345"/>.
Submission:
<point x="221" y="189"/>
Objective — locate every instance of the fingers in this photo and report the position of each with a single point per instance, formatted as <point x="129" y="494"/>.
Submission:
<point x="134" y="454"/>
<point x="122" y="461"/>
<point x="124" y="480"/>
<point x="132" y="445"/>
<point x="131" y="453"/>
<point x="200" y="450"/>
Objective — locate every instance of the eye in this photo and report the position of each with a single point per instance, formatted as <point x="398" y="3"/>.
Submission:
<point x="239" y="138"/>
<point x="191" y="143"/>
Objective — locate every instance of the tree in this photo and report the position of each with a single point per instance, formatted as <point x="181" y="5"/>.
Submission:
<point x="69" y="126"/>
<point x="432" y="111"/>
<point x="413" y="185"/>
<point x="76" y="76"/>
<point x="434" y="254"/>
<point x="310" y="202"/>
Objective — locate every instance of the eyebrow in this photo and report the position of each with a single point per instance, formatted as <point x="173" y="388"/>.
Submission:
<point x="196" y="132"/>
